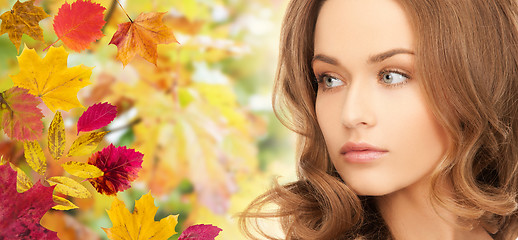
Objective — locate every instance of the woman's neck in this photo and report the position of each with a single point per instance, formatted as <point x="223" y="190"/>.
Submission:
<point x="410" y="215"/>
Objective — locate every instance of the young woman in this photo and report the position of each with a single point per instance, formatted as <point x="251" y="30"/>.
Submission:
<point x="407" y="113"/>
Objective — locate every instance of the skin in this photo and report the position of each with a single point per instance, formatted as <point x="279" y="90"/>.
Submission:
<point x="364" y="63"/>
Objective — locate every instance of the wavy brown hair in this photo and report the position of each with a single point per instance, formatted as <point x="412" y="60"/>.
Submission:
<point x="467" y="57"/>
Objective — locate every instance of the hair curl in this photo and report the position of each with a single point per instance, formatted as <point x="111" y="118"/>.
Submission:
<point x="467" y="55"/>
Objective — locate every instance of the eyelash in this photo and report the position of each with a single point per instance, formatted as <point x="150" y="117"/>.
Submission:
<point x="320" y="79"/>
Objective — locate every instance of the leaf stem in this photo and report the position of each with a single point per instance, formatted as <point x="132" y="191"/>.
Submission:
<point x="51" y="45"/>
<point x="124" y="11"/>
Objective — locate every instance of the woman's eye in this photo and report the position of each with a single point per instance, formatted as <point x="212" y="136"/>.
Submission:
<point x="331" y="82"/>
<point x="393" y="78"/>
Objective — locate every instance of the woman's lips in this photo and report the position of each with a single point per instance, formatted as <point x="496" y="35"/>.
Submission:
<point x="361" y="152"/>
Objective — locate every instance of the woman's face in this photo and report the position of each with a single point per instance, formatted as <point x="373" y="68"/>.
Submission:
<point x="380" y="134"/>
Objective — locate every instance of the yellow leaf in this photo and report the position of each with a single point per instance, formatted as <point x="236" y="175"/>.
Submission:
<point x="141" y="223"/>
<point x="141" y="37"/>
<point x="57" y="136"/>
<point x="35" y="157"/>
<point x="64" y="204"/>
<point x="23" y="18"/>
<point x="86" y="143"/>
<point x="69" y="187"/>
<point x="51" y="79"/>
<point x="82" y="170"/>
<point x="23" y="182"/>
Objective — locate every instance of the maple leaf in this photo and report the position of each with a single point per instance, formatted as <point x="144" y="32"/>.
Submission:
<point x="21" y="117"/>
<point x="96" y="116"/>
<point x="141" y="223"/>
<point x="51" y="79"/>
<point x="20" y="213"/>
<point x="79" y="24"/>
<point x="200" y="232"/>
<point x="141" y="37"/>
<point x="23" y="18"/>
<point x="120" y="166"/>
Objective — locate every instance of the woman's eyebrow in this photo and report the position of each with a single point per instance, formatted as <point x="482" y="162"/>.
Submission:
<point x="384" y="55"/>
<point x="373" y="59"/>
<point x="324" y="58"/>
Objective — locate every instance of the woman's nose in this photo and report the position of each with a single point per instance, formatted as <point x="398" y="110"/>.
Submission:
<point x="358" y="106"/>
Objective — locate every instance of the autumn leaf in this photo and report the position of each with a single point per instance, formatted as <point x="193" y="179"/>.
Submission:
<point x="69" y="187"/>
<point x="20" y="213"/>
<point x="51" y="79"/>
<point x="23" y="18"/>
<point x="23" y="183"/>
<point x="82" y="170"/>
<point x="79" y="24"/>
<point x="21" y="117"/>
<point x="63" y="203"/>
<point x="35" y="157"/>
<point x="141" y="223"/>
<point x="200" y="232"/>
<point x="96" y="116"/>
<point x="86" y="144"/>
<point x="120" y="166"/>
<point x="56" y="136"/>
<point x="141" y="37"/>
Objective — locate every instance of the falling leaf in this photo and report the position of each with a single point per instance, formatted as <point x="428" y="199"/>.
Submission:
<point x="82" y="170"/>
<point x="23" y="18"/>
<point x="57" y="136"/>
<point x="96" y="116"/>
<point x="63" y="203"/>
<point x="141" y="223"/>
<point x="120" y="166"/>
<point x="35" y="157"/>
<point x="79" y="24"/>
<point x="141" y="37"/>
<point x="51" y="79"/>
<point x="21" y="117"/>
<point x="20" y="213"/>
<point x="23" y="183"/>
<point x="86" y="144"/>
<point x="69" y="187"/>
<point x="200" y="232"/>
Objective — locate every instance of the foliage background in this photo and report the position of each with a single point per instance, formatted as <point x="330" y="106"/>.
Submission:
<point x="202" y="117"/>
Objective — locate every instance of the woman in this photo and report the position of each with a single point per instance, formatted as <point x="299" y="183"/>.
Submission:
<point x="407" y="113"/>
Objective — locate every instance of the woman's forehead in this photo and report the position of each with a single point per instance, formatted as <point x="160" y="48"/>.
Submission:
<point x="361" y="28"/>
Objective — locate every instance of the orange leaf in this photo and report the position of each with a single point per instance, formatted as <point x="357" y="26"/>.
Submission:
<point x="23" y="18"/>
<point x="79" y="24"/>
<point x="142" y="37"/>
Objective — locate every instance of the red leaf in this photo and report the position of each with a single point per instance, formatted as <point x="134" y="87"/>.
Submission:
<point x="200" y="232"/>
<point x="21" y="117"/>
<point x="20" y="213"/>
<point x="120" y="166"/>
<point x="96" y="116"/>
<point x="79" y="24"/>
